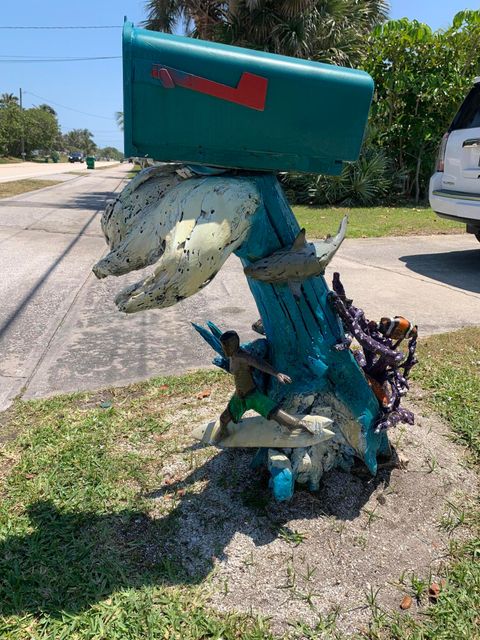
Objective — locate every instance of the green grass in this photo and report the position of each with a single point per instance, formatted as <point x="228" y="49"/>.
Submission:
<point x="375" y="222"/>
<point x="62" y="157"/>
<point x="76" y="533"/>
<point x="9" y="159"/>
<point x="133" y="172"/>
<point x="449" y="370"/>
<point x="16" y="187"/>
<point x="449" y="373"/>
<point x="79" y="537"/>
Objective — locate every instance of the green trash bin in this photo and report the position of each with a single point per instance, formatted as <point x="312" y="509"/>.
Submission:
<point x="90" y="160"/>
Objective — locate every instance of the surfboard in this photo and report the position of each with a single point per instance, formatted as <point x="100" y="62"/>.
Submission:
<point x="256" y="431"/>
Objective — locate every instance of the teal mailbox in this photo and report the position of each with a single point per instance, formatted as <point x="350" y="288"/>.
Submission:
<point x="206" y="103"/>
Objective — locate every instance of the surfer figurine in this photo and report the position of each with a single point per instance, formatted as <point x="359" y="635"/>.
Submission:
<point x="247" y="396"/>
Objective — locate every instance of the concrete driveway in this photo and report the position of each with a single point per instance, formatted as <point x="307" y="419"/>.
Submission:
<point x="22" y="170"/>
<point x="60" y="331"/>
<point x="434" y="280"/>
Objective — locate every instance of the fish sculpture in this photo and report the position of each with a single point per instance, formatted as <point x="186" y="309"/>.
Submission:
<point x="301" y="261"/>
<point x="397" y="328"/>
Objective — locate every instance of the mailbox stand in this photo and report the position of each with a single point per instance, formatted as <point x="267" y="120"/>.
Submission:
<point x="249" y="113"/>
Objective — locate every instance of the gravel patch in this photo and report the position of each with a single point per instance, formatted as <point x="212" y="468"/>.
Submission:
<point x="321" y="554"/>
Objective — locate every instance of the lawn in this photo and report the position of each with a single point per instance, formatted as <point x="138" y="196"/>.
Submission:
<point x="449" y="371"/>
<point x="41" y="159"/>
<point x="9" y="159"/>
<point x="84" y="548"/>
<point x="16" y="187"/>
<point x="375" y="222"/>
<point x="133" y="172"/>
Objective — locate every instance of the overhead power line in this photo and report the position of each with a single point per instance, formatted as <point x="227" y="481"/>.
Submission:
<point x="107" y="26"/>
<point x="20" y="60"/>
<point x="85" y="113"/>
<point x="12" y="55"/>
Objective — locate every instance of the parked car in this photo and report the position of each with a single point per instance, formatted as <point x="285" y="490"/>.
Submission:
<point x="455" y="185"/>
<point x="76" y="156"/>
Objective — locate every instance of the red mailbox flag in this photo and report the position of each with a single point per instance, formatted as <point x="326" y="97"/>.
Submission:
<point x="250" y="92"/>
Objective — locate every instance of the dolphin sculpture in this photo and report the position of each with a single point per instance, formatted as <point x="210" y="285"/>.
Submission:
<point x="303" y="260"/>
<point x="185" y="226"/>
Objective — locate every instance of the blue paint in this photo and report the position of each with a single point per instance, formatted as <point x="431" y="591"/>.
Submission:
<point x="281" y="483"/>
<point x="300" y="337"/>
<point x="318" y="367"/>
<point x="211" y="337"/>
<point x="301" y="333"/>
<point x="214" y="329"/>
<point x="259" y="459"/>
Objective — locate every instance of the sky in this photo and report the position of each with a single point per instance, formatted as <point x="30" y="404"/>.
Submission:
<point x="86" y="94"/>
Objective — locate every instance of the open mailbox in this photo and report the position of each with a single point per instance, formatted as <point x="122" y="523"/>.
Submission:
<point x="205" y="103"/>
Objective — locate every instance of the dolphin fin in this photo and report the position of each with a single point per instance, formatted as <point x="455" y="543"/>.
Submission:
<point x="328" y="247"/>
<point x="299" y="241"/>
<point x="342" y="230"/>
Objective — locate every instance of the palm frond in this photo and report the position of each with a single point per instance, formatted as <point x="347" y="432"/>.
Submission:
<point x="163" y="15"/>
<point x="326" y="30"/>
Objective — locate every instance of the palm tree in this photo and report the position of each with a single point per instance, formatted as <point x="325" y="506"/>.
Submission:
<point x="79" y="140"/>
<point x="7" y="99"/>
<point x="199" y="17"/>
<point x="325" y="30"/>
<point x="342" y="27"/>
<point x="47" y="108"/>
<point x="282" y="26"/>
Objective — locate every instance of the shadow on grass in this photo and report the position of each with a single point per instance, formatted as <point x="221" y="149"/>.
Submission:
<point x="68" y="561"/>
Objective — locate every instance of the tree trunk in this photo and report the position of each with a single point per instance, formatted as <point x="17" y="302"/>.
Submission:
<point x="417" y="175"/>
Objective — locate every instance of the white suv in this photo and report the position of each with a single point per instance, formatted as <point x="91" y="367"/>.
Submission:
<point x="455" y="185"/>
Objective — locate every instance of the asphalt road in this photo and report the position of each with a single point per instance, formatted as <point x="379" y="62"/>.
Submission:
<point x="22" y="170"/>
<point x="60" y="331"/>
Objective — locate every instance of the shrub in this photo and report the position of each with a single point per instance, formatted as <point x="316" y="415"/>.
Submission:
<point x="368" y="181"/>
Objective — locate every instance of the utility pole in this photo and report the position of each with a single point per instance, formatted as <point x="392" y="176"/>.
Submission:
<point x="22" y="140"/>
